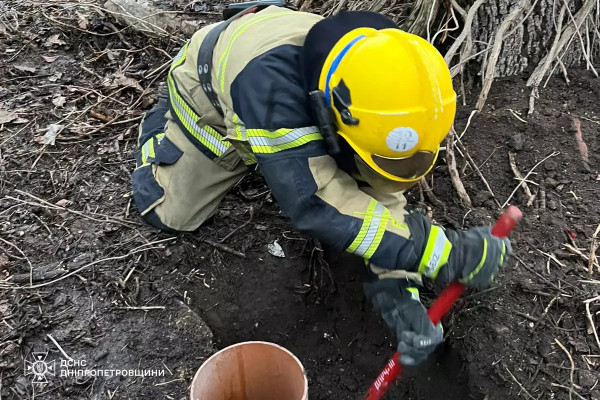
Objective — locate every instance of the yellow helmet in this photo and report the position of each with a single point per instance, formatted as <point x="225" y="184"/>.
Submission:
<point x="391" y="93"/>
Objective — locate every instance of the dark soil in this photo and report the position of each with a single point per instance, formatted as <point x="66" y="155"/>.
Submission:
<point x="112" y="291"/>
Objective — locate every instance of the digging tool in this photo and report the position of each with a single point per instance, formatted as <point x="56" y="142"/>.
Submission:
<point x="393" y="369"/>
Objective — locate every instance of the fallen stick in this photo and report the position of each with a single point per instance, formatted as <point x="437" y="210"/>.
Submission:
<point x="563" y="348"/>
<point x="135" y="251"/>
<point x="143" y="308"/>
<point x="517" y="382"/>
<point x="592" y="257"/>
<point x="553" y="154"/>
<point x="591" y="320"/>
<point x="224" y="248"/>
<point x="454" y="176"/>
<point x="515" y="170"/>
<point x="58" y="347"/>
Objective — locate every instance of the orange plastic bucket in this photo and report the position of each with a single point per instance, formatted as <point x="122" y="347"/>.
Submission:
<point x="251" y="371"/>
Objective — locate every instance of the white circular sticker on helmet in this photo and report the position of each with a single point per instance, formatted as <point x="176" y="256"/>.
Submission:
<point x="402" y="139"/>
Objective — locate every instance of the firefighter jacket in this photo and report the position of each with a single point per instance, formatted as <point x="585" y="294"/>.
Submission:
<point x="263" y="66"/>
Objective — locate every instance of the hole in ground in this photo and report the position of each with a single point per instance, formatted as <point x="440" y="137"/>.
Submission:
<point x="342" y="343"/>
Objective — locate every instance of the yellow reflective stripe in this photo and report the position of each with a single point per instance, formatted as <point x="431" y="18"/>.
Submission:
<point x="234" y="36"/>
<point x="264" y="141"/>
<point x="414" y="293"/>
<point x="380" y="231"/>
<point x="160" y="137"/>
<point x="240" y="128"/>
<point x="479" y="266"/>
<point x="148" y="150"/>
<point x="206" y="135"/>
<point x="503" y="253"/>
<point x="371" y="232"/>
<point x="436" y="252"/>
<point x="364" y="228"/>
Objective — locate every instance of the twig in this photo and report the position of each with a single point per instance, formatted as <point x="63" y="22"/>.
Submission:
<point x="454" y="176"/>
<point x="46" y="204"/>
<point x="586" y="55"/>
<point x="539" y="321"/>
<point x="428" y="191"/>
<point x="593" y="251"/>
<point x="590" y="319"/>
<point x="515" y="170"/>
<point x="572" y="366"/>
<point x="251" y="210"/>
<point x="24" y="257"/>
<point x="59" y="348"/>
<point x="466" y="31"/>
<point x="569" y="389"/>
<point x="517" y="382"/>
<point x="224" y="248"/>
<point x="135" y="251"/>
<point x="143" y="308"/>
<point x="468" y="124"/>
<point x="553" y="154"/>
<point x="497" y="47"/>
<point x="579" y="253"/>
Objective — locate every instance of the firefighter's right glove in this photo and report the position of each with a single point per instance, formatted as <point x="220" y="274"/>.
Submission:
<point x="403" y="312"/>
<point x="475" y="257"/>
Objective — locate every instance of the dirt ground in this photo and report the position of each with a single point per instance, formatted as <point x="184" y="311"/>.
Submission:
<point x="82" y="277"/>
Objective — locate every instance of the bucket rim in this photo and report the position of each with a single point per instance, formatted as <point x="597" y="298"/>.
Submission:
<point x="271" y="344"/>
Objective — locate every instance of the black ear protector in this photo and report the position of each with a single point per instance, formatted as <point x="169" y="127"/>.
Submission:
<point x="342" y="101"/>
<point x="326" y="118"/>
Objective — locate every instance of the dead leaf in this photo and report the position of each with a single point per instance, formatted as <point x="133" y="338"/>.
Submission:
<point x="59" y="101"/>
<point x="82" y="21"/>
<point x="64" y="203"/>
<point x="50" y="135"/>
<point x="25" y="68"/>
<point x="121" y="80"/>
<point x="7" y="116"/>
<point x="54" y="40"/>
<point x="55" y="77"/>
<point x="49" y="59"/>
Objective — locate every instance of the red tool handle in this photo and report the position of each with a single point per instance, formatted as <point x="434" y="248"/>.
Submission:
<point x="502" y="228"/>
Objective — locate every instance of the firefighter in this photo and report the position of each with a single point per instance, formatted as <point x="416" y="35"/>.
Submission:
<point x="340" y="115"/>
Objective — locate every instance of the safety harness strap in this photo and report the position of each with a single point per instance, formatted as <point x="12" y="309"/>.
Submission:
<point x="205" y="56"/>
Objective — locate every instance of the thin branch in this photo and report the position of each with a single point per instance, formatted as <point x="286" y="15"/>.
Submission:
<point x="526" y="176"/>
<point x="563" y="348"/>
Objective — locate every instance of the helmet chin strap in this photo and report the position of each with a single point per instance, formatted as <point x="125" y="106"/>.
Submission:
<point x="335" y="63"/>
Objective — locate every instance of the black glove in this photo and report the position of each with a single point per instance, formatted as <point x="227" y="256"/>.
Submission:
<point x="476" y="257"/>
<point x="403" y="312"/>
<point x="472" y="257"/>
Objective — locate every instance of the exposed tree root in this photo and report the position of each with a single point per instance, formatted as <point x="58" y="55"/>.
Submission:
<point x="454" y="176"/>
<point x="493" y="59"/>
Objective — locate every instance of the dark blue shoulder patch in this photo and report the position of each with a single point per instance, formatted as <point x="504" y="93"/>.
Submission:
<point x="269" y="93"/>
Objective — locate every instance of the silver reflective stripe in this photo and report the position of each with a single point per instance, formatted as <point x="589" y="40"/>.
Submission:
<point x="192" y="123"/>
<point x="372" y="232"/>
<point x="284" y="139"/>
<point x="437" y="253"/>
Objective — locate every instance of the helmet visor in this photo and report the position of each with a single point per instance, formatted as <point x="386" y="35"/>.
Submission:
<point x="377" y="181"/>
<point x="410" y="168"/>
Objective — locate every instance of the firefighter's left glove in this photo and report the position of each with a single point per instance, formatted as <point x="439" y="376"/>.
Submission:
<point x="403" y="312"/>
